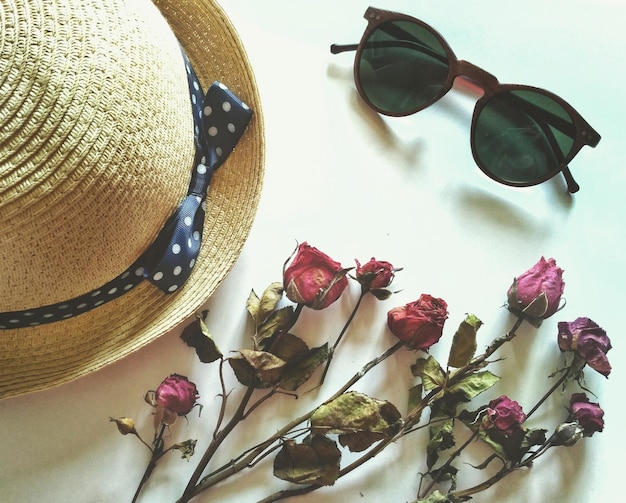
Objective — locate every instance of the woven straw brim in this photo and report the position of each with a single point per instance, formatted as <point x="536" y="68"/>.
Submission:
<point x="40" y="357"/>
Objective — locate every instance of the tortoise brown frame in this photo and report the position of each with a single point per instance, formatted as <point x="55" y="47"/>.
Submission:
<point x="583" y="134"/>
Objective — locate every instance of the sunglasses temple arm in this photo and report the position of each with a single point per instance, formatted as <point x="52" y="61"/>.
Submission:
<point x="572" y="185"/>
<point x="338" y="48"/>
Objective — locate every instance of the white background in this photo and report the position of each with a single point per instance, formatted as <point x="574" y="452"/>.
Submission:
<point x="356" y="185"/>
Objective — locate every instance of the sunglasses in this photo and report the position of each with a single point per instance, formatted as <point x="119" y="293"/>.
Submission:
<point x="520" y="135"/>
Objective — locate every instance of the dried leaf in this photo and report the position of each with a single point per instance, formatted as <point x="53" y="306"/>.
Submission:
<point x="270" y="298"/>
<point x="355" y="412"/>
<point x="464" y="342"/>
<point x="474" y="384"/>
<point x="276" y="322"/>
<point x="441" y="438"/>
<point x="358" y="442"/>
<point x="297" y="371"/>
<point x="256" y="368"/>
<point x="431" y="373"/>
<point x="415" y="396"/>
<point x="253" y="305"/>
<point x="197" y="336"/>
<point x="314" y="461"/>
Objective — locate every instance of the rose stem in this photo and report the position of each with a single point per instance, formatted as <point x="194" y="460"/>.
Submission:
<point x="231" y="469"/>
<point x="341" y="334"/>
<point x="549" y="392"/>
<point x="158" y="448"/>
<point x="415" y="413"/>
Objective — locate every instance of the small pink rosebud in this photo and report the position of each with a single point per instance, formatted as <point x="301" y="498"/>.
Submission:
<point x="587" y="414"/>
<point x="588" y="340"/>
<point x="419" y="324"/>
<point x="177" y="394"/>
<point x="537" y="292"/>
<point x="374" y="274"/>
<point x="503" y="414"/>
<point x="313" y="279"/>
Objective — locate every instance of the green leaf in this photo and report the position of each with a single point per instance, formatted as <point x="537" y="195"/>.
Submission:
<point x="474" y="384"/>
<point x="441" y="438"/>
<point x="431" y="373"/>
<point x="464" y="342"/>
<point x="314" y="461"/>
<point x="197" y="336"/>
<point x="355" y="412"/>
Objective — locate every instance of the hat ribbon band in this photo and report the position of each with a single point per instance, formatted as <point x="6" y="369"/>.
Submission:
<point x="220" y="119"/>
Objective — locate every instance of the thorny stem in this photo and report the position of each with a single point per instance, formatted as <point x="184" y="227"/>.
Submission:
<point x="156" y="454"/>
<point x="341" y="334"/>
<point x="561" y="380"/>
<point x="219" y="436"/>
<point x="412" y="417"/>
<point x="244" y="462"/>
<point x="452" y="457"/>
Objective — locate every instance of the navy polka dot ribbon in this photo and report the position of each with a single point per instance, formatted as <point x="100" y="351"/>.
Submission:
<point x="220" y="118"/>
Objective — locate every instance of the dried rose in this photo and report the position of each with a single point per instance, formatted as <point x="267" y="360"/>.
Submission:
<point x="177" y="394"/>
<point x="374" y="274"/>
<point x="125" y="425"/>
<point x="503" y="414"/>
<point x="313" y="278"/>
<point x="537" y="292"/>
<point x="419" y="324"/>
<point x="588" y="340"/>
<point x="587" y="414"/>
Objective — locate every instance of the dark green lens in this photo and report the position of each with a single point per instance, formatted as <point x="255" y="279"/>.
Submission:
<point x="402" y="68"/>
<point x="523" y="136"/>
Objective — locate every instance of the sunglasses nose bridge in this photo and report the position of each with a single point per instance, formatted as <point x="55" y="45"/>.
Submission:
<point x="475" y="74"/>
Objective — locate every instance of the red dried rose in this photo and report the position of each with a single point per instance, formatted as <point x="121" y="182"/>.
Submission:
<point x="588" y="340"/>
<point x="313" y="278"/>
<point x="374" y="274"/>
<point x="537" y="292"/>
<point x="419" y="324"/>
<point x="503" y="414"/>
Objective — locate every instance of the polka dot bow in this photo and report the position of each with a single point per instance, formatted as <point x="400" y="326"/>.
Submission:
<point x="220" y="118"/>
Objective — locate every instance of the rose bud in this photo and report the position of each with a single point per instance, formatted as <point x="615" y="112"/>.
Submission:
<point x="125" y="425"/>
<point x="313" y="278"/>
<point x="177" y="394"/>
<point x="537" y="292"/>
<point x="587" y="414"/>
<point x="374" y="274"/>
<point x="588" y="340"/>
<point x="503" y="414"/>
<point x="567" y="434"/>
<point x="419" y="324"/>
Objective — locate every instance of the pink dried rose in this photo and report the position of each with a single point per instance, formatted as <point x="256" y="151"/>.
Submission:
<point x="537" y="292"/>
<point x="174" y="397"/>
<point x="503" y="414"/>
<point x="588" y="340"/>
<point x="374" y="274"/>
<point x="419" y="324"/>
<point x="587" y="414"/>
<point x="313" y="278"/>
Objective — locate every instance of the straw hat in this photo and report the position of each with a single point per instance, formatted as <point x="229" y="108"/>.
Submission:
<point x="96" y="155"/>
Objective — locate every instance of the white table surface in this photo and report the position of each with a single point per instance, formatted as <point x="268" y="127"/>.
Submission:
<point x="356" y="185"/>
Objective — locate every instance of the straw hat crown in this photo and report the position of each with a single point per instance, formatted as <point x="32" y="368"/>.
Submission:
<point x="97" y="151"/>
<point x="96" y="123"/>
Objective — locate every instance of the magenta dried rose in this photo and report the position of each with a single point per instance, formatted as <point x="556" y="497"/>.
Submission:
<point x="588" y="340"/>
<point x="537" y="292"/>
<point x="313" y="278"/>
<point x="587" y="414"/>
<point x="419" y="324"/>
<point x="503" y="414"/>
<point x="177" y="394"/>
